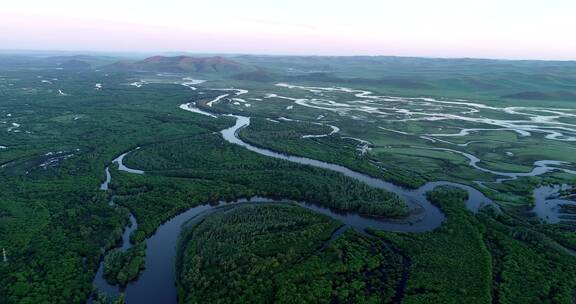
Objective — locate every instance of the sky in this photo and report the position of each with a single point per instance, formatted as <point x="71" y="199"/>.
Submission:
<point x="507" y="29"/>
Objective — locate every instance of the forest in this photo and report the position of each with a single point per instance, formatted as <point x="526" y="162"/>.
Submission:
<point x="123" y="267"/>
<point x="234" y="172"/>
<point x="283" y="254"/>
<point x="59" y="131"/>
<point x="287" y="137"/>
<point x="483" y="258"/>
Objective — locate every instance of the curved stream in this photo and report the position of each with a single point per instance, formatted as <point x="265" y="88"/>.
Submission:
<point x="156" y="283"/>
<point x="431" y="217"/>
<point x="120" y="162"/>
<point x="124" y="243"/>
<point x="540" y="167"/>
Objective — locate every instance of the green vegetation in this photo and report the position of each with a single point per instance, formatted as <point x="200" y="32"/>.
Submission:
<point x="53" y="232"/>
<point x="492" y="81"/>
<point x="101" y="298"/>
<point x="528" y="265"/>
<point x="489" y="257"/>
<point x="279" y="253"/>
<point x="287" y="137"/>
<point x="183" y="173"/>
<point x="55" y="221"/>
<point x="353" y="269"/>
<point x="451" y="264"/>
<point x="58" y="131"/>
<point x="122" y="267"/>
<point x="406" y="159"/>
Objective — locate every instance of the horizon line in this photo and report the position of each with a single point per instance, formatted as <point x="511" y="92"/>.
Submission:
<point x="78" y="52"/>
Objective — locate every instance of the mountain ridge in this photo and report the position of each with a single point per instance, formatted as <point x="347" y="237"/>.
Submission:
<point x="183" y="64"/>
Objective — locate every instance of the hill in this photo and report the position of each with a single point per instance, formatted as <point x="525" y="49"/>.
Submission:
<point x="182" y="64"/>
<point x="75" y="64"/>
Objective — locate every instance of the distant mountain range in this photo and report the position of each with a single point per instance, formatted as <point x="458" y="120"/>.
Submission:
<point x="183" y="64"/>
<point x="75" y="64"/>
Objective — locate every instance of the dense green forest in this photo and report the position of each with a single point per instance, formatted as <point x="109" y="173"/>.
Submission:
<point x="53" y="232"/>
<point x="280" y="254"/>
<point x="123" y="267"/>
<point x="61" y="127"/>
<point x="240" y="173"/>
<point x="54" y="221"/>
<point x="102" y="298"/>
<point x="451" y="264"/>
<point x="484" y="258"/>
<point x="472" y="259"/>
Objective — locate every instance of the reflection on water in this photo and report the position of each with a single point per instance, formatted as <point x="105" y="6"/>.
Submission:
<point x="548" y="204"/>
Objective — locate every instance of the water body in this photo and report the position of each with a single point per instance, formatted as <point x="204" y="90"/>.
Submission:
<point x="124" y="244"/>
<point x="120" y="161"/>
<point x="363" y="146"/>
<point x="190" y="82"/>
<point x="99" y="280"/>
<point x="548" y="204"/>
<point x="540" y="167"/>
<point x="215" y="100"/>
<point x="334" y="129"/>
<point x="524" y="120"/>
<point x="191" y="107"/>
<point x="431" y="216"/>
<point x="157" y="283"/>
<point x="105" y="185"/>
<point x="547" y="208"/>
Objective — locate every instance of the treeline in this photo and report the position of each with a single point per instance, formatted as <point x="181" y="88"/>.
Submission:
<point x="53" y="239"/>
<point x="121" y="267"/>
<point x="528" y="264"/>
<point x="488" y="257"/>
<point x="278" y="253"/>
<point x="450" y="264"/>
<point x="205" y="168"/>
<point x="102" y="298"/>
<point x="229" y="252"/>
<point x="55" y="223"/>
<point x="286" y="137"/>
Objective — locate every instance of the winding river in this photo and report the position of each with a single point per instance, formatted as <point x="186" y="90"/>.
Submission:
<point x="124" y="243"/>
<point x="431" y="216"/>
<point x="156" y="283"/>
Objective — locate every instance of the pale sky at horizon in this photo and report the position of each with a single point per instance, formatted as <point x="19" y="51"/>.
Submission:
<point x="508" y="29"/>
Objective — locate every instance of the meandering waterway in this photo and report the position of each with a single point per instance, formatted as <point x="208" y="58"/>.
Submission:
<point x="157" y="282"/>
